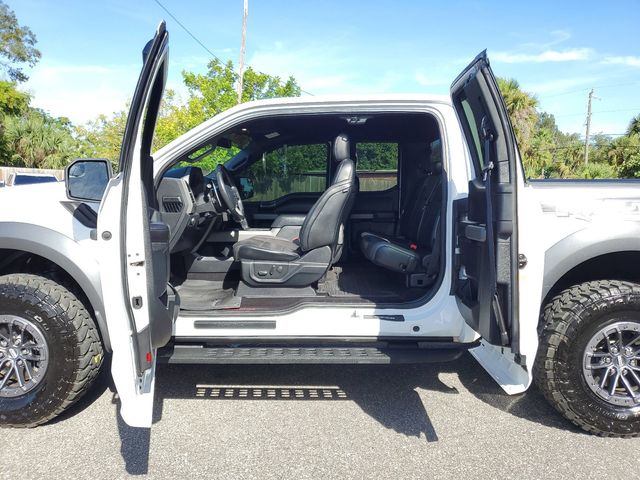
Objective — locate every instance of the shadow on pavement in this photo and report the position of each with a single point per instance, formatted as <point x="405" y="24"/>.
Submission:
<point x="387" y="393"/>
<point x="134" y="445"/>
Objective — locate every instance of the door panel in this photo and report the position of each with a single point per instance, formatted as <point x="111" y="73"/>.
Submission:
<point x="140" y="306"/>
<point x="262" y="214"/>
<point x="487" y="230"/>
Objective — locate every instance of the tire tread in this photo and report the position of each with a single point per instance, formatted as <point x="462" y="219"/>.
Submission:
<point x="59" y="300"/>
<point x="560" y="318"/>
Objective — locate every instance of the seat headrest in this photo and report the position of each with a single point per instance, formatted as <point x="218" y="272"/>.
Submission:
<point x="341" y="148"/>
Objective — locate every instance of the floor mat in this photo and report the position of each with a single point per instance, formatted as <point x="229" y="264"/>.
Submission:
<point x="203" y="295"/>
<point x="365" y="281"/>
<point x="266" y="291"/>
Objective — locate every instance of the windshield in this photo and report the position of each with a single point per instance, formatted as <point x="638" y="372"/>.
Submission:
<point x="209" y="156"/>
<point x="31" y="179"/>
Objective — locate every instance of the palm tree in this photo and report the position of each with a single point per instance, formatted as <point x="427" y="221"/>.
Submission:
<point x="521" y="107"/>
<point x="37" y="141"/>
<point x="634" y="126"/>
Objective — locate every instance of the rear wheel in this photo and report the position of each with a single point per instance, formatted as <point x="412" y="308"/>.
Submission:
<point x="50" y="351"/>
<point x="588" y="362"/>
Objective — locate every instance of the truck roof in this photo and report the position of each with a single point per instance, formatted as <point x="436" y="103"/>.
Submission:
<point x="357" y="98"/>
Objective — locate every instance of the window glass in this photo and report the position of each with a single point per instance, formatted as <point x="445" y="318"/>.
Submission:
<point x="435" y="151"/>
<point x="377" y="167"/>
<point x="289" y="169"/>
<point x="475" y="133"/>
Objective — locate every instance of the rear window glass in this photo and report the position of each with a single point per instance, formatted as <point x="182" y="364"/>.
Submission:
<point x="377" y="167"/>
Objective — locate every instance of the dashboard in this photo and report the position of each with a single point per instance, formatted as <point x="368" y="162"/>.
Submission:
<point x="190" y="205"/>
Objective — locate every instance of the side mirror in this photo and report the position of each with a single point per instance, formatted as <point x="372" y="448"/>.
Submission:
<point x="87" y="179"/>
<point x="246" y="187"/>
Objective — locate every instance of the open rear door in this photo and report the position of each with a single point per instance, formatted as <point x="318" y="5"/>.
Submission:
<point x="487" y="227"/>
<point x="133" y="242"/>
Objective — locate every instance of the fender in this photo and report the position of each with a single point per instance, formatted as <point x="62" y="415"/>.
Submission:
<point x="64" y="252"/>
<point x="586" y="244"/>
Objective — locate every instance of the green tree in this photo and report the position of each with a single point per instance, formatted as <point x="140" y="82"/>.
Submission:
<point x="37" y="140"/>
<point x="102" y="137"/>
<point x="214" y="92"/>
<point x="624" y="154"/>
<point x="17" y="45"/>
<point x="209" y="93"/>
<point x="522" y="110"/>
<point x="634" y="126"/>
<point x="12" y="101"/>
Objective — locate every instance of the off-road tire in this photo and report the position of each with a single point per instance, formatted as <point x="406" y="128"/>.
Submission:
<point x="74" y="346"/>
<point x="568" y="321"/>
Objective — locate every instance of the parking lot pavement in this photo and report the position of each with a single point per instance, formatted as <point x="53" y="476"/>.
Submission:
<point x="423" y="421"/>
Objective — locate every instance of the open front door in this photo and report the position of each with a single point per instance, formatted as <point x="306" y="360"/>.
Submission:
<point x="487" y="228"/>
<point x="140" y="305"/>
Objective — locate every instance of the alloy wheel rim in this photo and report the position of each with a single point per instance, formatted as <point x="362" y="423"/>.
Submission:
<point x="611" y="364"/>
<point x="24" y="356"/>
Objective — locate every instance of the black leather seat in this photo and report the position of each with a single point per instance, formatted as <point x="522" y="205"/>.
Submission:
<point x="269" y="260"/>
<point x="414" y="250"/>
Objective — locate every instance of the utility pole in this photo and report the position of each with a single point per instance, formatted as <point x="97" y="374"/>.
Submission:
<point x="243" y="47"/>
<point x="586" y="137"/>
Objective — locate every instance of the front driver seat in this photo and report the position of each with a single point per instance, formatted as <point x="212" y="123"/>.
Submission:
<point x="273" y="261"/>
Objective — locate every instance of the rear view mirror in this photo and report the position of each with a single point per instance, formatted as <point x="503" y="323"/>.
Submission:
<point x="224" y="143"/>
<point x="87" y="179"/>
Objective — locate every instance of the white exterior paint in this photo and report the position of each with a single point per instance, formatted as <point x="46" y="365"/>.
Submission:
<point x="547" y="213"/>
<point x="136" y="397"/>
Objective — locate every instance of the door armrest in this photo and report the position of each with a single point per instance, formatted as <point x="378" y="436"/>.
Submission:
<point x="288" y="220"/>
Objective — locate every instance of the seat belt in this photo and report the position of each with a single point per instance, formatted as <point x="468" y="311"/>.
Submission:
<point x="433" y="259"/>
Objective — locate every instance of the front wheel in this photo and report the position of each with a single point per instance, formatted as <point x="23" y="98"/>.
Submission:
<point x="588" y="362"/>
<point x="50" y="351"/>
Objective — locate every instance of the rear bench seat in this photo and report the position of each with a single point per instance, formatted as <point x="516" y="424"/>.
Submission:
<point x="415" y="249"/>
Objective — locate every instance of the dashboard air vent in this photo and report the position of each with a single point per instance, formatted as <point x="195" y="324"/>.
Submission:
<point x="172" y="204"/>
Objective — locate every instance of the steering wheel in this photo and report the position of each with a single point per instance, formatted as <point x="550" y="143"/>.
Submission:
<point x="230" y="196"/>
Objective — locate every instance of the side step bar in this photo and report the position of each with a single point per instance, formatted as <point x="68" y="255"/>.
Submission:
<point x="199" y="354"/>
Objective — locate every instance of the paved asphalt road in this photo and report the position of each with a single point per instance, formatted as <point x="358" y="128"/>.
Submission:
<point x="434" y="421"/>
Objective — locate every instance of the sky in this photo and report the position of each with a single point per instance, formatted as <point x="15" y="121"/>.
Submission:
<point x="556" y="50"/>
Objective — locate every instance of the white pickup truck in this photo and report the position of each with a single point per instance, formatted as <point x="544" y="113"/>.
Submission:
<point x="334" y="230"/>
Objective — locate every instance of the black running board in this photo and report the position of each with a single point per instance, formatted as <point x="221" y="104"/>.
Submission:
<point x="198" y="354"/>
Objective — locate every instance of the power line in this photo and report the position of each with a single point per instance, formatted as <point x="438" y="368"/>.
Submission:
<point x="600" y="111"/>
<point x="580" y="90"/>
<point x="188" y="32"/>
<point x="205" y="47"/>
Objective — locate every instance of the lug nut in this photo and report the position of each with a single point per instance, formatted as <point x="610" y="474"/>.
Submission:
<point x="614" y="350"/>
<point x="607" y="360"/>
